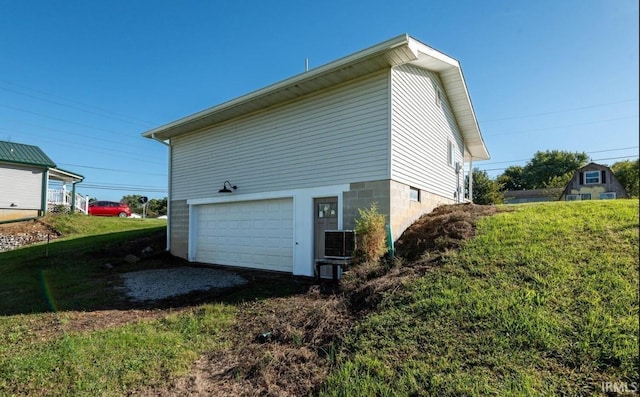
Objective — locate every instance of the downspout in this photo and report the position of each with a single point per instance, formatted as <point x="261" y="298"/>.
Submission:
<point x="471" y="180"/>
<point x="169" y="217"/>
<point x="45" y="192"/>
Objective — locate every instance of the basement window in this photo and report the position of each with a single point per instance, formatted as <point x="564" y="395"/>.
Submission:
<point x="607" y="196"/>
<point x="571" y="197"/>
<point x="414" y="194"/>
<point x="585" y="196"/>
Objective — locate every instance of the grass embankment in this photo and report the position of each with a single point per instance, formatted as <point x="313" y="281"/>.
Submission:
<point x="544" y="301"/>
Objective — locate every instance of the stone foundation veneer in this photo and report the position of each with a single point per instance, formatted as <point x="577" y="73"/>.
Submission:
<point x="179" y="218"/>
<point x="393" y="201"/>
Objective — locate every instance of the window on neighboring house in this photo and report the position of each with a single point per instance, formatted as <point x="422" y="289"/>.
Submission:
<point x="571" y="197"/>
<point x="591" y="177"/>
<point x="585" y="196"/>
<point x="607" y="196"/>
<point x="414" y="194"/>
<point x="451" y="153"/>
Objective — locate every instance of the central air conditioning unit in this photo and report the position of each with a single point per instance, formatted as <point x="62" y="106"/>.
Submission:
<point x="339" y="244"/>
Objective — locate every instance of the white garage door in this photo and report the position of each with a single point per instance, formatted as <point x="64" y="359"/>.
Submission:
<point x="257" y="234"/>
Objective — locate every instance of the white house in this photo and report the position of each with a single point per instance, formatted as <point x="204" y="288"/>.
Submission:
<point x="31" y="184"/>
<point x="255" y="181"/>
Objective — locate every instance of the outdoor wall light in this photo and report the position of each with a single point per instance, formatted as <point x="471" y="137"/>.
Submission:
<point x="226" y="189"/>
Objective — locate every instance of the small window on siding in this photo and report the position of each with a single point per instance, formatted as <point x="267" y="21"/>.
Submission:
<point x="571" y="197"/>
<point x="451" y="153"/>
<point x="414" y="194"/>
<point x="608" y="196"/>
<point x="592" y="177"/>
<point x="585" y="196"/>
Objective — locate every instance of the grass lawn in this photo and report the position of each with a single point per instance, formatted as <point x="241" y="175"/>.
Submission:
<point x="65" y="274"/>
<point x="544" y="301"/>
<point x="44" y="288"/>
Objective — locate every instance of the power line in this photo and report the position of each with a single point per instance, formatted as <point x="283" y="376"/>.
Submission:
<point x="564" y="126"/>
<point x="65" y="121"/>
<point x="107" y="112"/>
<point x="608" y="158"/>
<point x="76" y="108"/>
<point x="112" y="169"/>
<point x="93" y="138"/>
<point x="155" y="189"/>
<point x="85" y="144"/>
<point x="558" y="111"/>
<point x="592" y="152"/>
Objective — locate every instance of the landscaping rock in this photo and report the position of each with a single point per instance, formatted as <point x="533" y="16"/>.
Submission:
<point x="131" y="259"/>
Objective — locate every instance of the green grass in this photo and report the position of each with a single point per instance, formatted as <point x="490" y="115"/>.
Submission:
<point x="544" y="301"/>
<point x="41" y="286"/>
<point x="65" y="273"/>
<point x="108" y="362"/>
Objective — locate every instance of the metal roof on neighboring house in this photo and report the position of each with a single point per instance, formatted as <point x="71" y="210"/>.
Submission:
<point x="397" y="51"/>
<point x="18" y="153"/>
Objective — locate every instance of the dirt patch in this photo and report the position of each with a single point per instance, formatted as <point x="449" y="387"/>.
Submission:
<point x="447" y="227"/>
<point x="280" y="347"/>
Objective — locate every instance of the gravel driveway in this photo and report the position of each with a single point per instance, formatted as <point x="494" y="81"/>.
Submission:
<point x="145" y="285"/>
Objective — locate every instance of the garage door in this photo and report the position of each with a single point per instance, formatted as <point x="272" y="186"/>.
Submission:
<point x="256" y="234"/>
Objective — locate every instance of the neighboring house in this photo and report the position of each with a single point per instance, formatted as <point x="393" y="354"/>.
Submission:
<point x="25" y="176"/>
<point x="255" y="181"/>
<point x="531" y="195"/>
<point x="593" y="182"/>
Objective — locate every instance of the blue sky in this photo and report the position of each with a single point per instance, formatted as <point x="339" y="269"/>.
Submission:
<point x="82" y="80"/>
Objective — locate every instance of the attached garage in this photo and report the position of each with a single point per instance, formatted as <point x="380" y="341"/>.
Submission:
<point x="256" y="234"/>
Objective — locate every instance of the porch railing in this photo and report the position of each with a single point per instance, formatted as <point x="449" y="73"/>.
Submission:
<point x="58" y="199"/>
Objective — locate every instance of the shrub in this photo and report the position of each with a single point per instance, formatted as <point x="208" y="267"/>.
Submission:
<point x="371" y="233"/>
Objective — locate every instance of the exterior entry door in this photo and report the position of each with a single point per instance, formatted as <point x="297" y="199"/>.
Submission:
<point x="325" y="218"/>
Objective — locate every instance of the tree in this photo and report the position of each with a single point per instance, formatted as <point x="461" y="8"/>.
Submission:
<point x="485" y="190"/>
<point x="155" y="207"/>
<point x="133" y="203"/>
<point x="627" y="173"/>
<point x="551" y="167"/>
<point x="512" y="178"/>
<point x="546" y="170"/>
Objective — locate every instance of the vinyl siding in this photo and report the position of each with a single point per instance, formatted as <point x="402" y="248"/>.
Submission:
<point x="21" y="185"/>
<point x="336" y="136"/>
<point x="421" y="130"/>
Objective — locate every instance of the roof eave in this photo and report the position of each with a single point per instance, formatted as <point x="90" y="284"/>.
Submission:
<point x="396" y="51"/>
<point x="389" y="53"/>
<point x="65" y="176"/>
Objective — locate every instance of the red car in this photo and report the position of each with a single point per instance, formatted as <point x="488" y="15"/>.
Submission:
<point x="109" y="208"/>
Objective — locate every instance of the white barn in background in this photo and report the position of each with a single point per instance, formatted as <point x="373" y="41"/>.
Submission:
<point x="254" y="182"/>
